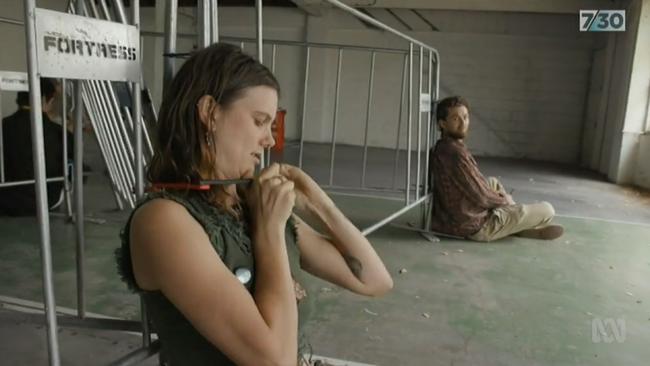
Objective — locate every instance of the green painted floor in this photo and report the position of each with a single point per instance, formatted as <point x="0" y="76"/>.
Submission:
<point x="513" y="302"/>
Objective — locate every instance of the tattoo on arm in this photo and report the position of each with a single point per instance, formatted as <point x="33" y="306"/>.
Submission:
<point x="354" y="264"/>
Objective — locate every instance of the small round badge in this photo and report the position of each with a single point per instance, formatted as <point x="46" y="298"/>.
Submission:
<point x="243" y="275"/>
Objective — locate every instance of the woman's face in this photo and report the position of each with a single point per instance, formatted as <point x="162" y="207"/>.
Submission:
<point x="243" y="132"/>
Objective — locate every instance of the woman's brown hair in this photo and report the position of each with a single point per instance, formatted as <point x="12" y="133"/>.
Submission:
<point x="221" y="71"/>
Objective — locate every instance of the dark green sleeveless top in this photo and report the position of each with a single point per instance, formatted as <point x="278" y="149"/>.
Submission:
<point x="181" y="344"/>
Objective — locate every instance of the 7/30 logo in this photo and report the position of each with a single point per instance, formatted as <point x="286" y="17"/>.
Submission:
<point x="602" y="20"/>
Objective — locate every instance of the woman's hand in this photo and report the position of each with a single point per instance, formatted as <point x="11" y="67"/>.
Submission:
<point x="271" y="198"/>
<point x="309" y="195"/>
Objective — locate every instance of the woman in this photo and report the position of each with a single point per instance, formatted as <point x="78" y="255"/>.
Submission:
<point x="220" y="270"/>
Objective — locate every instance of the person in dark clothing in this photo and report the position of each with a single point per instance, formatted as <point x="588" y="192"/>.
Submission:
<point x="18" y="157"/>
<point x="468" y="205"/>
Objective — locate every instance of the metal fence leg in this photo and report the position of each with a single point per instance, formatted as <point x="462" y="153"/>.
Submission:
<point x="41" y="192"/>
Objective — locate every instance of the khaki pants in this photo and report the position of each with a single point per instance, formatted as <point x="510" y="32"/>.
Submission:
<point x="511" y="219"/>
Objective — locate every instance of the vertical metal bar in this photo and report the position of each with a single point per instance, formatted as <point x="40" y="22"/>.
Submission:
<point x="64" y="127"/>
<point x="83" y="8"/>
<point x="241" y="45"/>
<point x="139" y="185"/>
<point x="119" y="7"/>
<point x="38" y="152"/>
<point x="426" y="218"/>
<point x="336" y="115"/>
<point x="419" y="148"/>
<point x="437" y="78"/>
<point x="93" y="9"/>
<point x="170" y="42"/>
<point x="151" y="104"/>
<point x="214" y="20"/>
<point x="203" y="23"/>
<point x="136" y="94"/>
<point x="429" y="122"/>
<point x="2" y="145"/>
<point x="200" y="23"/>
<point x="371" y="80"/>
<point x="146" y="329"/>
<point x="259" y="28"/>
<point x="78" y="199"/>
<point x="304" y="108"/>
<point x="409" y="108"/>
<point x="260" y="58"/>
<point x="107" y="14"/>
<point x="273" y="52"/>
<point x="147" y="139"/>
<point x="399" y="119"/>
<point x="139" y="166"/>
<point x="129" y="118"/>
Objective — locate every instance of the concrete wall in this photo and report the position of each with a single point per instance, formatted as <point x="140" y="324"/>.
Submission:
<point x="525" y="76"/>
<point x="642" y="173"/>
<point x="614" y="140"/>
<point x="638" y="110"/>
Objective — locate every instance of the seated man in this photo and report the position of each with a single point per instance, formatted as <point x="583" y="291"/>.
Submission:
<point x="18" y="162"/>
<point x="464" y="202"/>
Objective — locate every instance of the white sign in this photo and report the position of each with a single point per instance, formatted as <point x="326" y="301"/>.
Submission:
<point x="607" y="330"/>
<point x="425" y="102"/>
<point x="75" y="47"/>
<point x="13" y="81"/>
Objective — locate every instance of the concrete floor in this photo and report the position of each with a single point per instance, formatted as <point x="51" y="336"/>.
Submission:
<point x="512" y="302"/>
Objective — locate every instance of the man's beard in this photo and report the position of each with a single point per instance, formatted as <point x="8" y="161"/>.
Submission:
<point x="456" y="135"/>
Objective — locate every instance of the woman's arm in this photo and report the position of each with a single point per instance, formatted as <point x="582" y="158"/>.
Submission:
<point x="172" y="253"/>
<point x="344" y="257"/>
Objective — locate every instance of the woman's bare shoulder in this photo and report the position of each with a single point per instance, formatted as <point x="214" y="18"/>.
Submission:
<point x="160" y="231"/>
<point x="159" y="211"/>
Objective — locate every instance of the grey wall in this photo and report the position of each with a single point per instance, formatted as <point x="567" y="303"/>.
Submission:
<point x="615" y="139"/>
<point x="525" y="75"/>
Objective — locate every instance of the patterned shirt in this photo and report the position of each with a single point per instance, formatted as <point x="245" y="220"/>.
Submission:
<point x="462" y="199"/>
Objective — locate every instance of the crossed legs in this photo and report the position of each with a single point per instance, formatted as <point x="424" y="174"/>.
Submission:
<point x="530" y="220"/>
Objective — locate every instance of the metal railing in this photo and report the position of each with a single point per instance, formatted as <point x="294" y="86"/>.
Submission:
<point x="433" y="58"/>
<point x="426" y="55"/>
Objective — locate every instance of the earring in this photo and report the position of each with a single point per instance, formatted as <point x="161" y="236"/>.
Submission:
<point x="208" y="138"/>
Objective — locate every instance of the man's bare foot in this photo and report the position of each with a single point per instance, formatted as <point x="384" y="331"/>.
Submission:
<point x="549" y="232"/>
